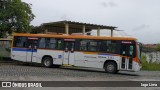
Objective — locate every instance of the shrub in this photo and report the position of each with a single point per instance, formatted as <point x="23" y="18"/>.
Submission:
<point x="149" y="66"/>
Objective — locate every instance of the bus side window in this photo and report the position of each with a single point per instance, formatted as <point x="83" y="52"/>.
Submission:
<point x="105" y="46"/>
<point x="131" y="50"/>
<point x="128" y="50"/>
<point x="92" y="45"/>
<point x="108" y="46"/>
<point x="88" y="45"/>
<point x="113" y="47"/>
<point x="83" y="45"/>
<point x="59" y="44"/>
<point x="20" y="41"/>
<point x="42" y="43"/>
<point x="52" y="43"/>
<point x="72" y="47"/>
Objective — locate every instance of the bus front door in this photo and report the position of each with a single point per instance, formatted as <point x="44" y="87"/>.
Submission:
<point x="68" y="53"/>
<point x="127" y="53"/>
<point x="31" y="49"/>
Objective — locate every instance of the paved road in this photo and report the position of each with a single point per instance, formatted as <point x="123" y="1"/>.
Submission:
<point x="21" y="72"/>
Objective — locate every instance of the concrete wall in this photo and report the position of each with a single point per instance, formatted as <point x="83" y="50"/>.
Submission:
<point x="152" y="56"/>
<point x="5" y="46"/>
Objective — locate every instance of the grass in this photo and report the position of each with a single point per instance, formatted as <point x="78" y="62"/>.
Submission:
<point x="149" y="66"/>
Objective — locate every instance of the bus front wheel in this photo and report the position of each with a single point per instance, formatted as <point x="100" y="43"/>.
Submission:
<point x="111" y="67"/>
<point x="47" y="62"/>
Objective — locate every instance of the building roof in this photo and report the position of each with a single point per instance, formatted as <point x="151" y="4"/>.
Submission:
<point x="74" y="27"/>
<point x="79" y="25"/>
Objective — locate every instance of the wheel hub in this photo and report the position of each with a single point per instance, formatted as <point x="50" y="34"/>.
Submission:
<point x="110" y="67"/>
<point x="47" y="62"/>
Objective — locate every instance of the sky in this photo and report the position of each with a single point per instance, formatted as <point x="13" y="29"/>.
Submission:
<point x="136" y="18"/>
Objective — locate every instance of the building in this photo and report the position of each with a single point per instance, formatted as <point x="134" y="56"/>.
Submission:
<point x="5" y="46"/>
<point x="70" y="27"/>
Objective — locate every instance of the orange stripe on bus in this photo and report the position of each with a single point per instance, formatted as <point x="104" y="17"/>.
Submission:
<point x="76" y="37"/>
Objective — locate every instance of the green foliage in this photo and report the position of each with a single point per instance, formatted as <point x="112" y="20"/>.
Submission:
<point x="15" y="15"/>
<point x="8" y="49"/>
<point x="148" y="65"/>
<point x="157" y="47"/>
<point x="1" y="58"/>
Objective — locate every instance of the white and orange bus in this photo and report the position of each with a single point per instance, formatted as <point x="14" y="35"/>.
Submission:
<point x="110" y="53"/>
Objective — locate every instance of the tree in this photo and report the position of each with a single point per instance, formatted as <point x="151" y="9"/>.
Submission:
<point x="15" y="15"/>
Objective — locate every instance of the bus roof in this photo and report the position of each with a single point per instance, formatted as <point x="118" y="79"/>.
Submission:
<point x="74" y="36"/>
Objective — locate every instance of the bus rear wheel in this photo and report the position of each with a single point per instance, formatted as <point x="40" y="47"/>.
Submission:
<point x="47" y="62"/>
<point x="111" y="67"/>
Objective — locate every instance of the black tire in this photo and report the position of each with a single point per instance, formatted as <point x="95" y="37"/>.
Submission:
<point x="111" y="67"/>
<point x="47" y="62"/>
<point x="56" y="66"/>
